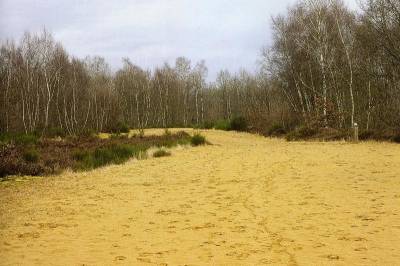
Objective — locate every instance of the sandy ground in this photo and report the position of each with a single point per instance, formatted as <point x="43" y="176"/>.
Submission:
<point x="246" y="200"/>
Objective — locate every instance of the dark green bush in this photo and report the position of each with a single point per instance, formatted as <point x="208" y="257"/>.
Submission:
<point x="223" y="125"/>
<point x="197" y="140"/>
<point x="276" y="130"/>
<point x="161" y="153"/>
<point x="238" y="123"/>
<point x="31" y="156"/>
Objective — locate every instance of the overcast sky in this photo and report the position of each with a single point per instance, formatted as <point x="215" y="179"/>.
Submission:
<point x="228" y="34"/>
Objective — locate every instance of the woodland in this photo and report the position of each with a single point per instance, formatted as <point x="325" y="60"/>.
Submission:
<point x="326" y="68"/>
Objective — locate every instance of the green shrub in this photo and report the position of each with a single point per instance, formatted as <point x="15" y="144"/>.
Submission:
<point x="197" y="140"/>
<point x="238" y="123"/>
<point x="223" y="125"/>
<point x="276" y="130"/>
<point x="161" y="153"/>
<point x="31" y="156"/>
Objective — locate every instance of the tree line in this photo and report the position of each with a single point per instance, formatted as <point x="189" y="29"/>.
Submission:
<point x="327" y="67"/>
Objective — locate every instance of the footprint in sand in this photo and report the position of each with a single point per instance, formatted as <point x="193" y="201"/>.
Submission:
<point x="117" y="258"/>
<point x="29" y="235"/>
<point x="333" y="257"/>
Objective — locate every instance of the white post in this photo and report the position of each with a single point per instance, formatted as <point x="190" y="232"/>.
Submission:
<point x="355" y="132"/>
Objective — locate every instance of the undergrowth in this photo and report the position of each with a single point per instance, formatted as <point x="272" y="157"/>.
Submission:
<point x="115" y="154"/>
<point x="161" y="153"/>
<point x="29" y="155"/>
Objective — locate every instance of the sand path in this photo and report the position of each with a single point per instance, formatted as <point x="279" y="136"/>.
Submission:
<point x="246" y="200"/>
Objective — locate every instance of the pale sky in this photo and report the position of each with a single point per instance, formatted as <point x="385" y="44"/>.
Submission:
<point x="227" y="34"/>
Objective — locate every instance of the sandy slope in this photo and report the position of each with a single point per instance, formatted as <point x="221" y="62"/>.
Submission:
<point x="246" y="200"/>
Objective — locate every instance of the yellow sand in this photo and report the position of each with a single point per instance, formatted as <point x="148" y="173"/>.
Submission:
<point x="246" y="200"/>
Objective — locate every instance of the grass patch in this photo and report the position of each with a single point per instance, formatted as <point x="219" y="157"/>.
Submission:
<point x="115" y="154"/>
<point x="161" y="153"/>
<point x="198" y="140"/>
<point x="19" y="139"/>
